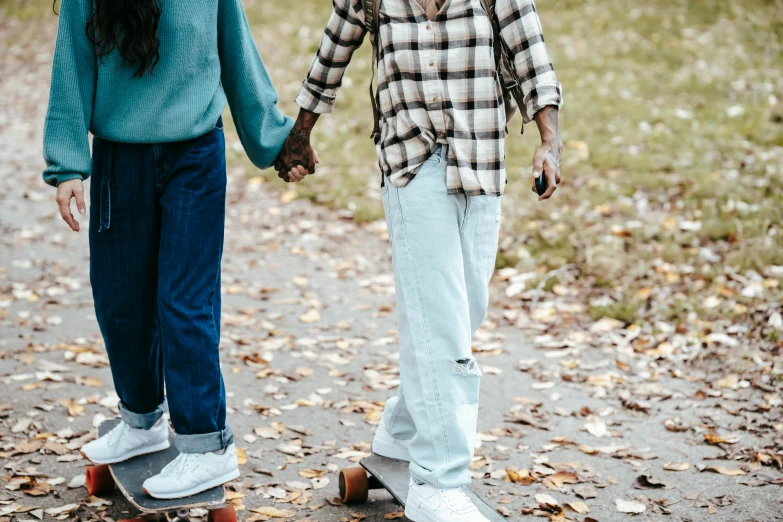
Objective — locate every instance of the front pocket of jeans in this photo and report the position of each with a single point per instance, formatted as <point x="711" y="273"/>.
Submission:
<point x="429" y="167"/>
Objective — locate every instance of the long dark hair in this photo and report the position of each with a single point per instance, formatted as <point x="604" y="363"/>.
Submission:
<point x="130" y="26"/>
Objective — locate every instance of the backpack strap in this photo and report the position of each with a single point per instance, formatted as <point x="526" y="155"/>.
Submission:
<point x="489" y="9"/>
<point x="372" y="10"/>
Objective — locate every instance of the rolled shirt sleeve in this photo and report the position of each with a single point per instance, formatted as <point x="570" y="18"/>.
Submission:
<point x="344" y="34"/>
<point x="521" y="31"/>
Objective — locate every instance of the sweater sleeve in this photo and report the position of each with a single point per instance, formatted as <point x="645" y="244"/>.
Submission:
<point x="72" y="92"/>
<point x="261" y="127"/>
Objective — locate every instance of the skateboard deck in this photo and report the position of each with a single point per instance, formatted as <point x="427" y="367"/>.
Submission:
<point x="393" y="475"/>
<point x="131" y="474"/>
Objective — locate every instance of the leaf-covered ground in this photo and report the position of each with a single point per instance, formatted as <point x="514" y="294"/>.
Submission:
<point x="631" y="353"/>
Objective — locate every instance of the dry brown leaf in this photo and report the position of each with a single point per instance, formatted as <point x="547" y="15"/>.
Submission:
<point x="522" y="476"/>
<point x="29" y="446"/>
<point x="725" y="471"/>
<point x="556" y="481"/>
<point x="578" y="506"/>
<point x="713" y="438"/>
<point x="311" y="473"/>
<point x="274" y="512"/>
<point x="241" y="456"/>
<point x="676" y="466"/>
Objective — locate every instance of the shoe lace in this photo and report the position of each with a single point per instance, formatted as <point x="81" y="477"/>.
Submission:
<point x="179" y="465"/>
<point x="457" y="499"/>
<point x="116" y="434"/>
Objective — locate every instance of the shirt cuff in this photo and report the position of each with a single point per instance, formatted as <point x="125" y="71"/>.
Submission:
<point x="55" y="179"/>
<point x="313" y="100"/>
<point x="542" y="96"/>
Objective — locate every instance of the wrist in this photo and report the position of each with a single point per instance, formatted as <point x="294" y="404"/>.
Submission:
<point x="304" y="123"/>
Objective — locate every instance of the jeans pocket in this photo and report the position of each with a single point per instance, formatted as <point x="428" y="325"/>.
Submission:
<point x="429" y="167"/>
<point x="219" y="124"/>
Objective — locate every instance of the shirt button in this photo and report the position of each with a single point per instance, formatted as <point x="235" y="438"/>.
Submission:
<point x="432" y="64"/>
<point x="435" y="99"/>
<point x="427" y="27"/>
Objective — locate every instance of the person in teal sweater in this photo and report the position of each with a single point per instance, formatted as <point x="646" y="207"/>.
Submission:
<point x="149" y="80"/>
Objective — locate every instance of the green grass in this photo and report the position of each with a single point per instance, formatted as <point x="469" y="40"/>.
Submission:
<point x="673" y="113"/>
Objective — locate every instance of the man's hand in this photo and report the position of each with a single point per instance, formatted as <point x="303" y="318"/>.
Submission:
<point x="548" y="157"/>
<point x="297" y="159"/>
<point x="65" y="191"/>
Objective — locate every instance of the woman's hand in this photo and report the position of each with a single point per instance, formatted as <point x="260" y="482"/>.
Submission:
<point x="65" y="191"/>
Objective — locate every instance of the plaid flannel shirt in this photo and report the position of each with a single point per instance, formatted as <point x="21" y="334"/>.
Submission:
<point x="437" y="84"/>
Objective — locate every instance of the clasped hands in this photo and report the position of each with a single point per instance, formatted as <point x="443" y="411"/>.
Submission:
<point x="297" y="158"/>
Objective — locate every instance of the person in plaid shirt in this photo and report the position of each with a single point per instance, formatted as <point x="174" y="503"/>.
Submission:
<point x="441" y="153"/>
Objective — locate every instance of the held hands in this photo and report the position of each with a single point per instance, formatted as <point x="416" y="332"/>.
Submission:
<point x="65" y="191"/>
<point x="297" y="159"/>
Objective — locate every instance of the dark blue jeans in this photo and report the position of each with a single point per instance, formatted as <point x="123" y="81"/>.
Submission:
<point x="156" y="239"/>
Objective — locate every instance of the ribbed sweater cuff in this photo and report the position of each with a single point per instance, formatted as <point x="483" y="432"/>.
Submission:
<point x="55" y="179"/>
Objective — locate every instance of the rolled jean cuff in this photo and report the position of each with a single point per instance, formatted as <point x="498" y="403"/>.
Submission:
<point x="142" y="421"/>
<point x="204" y="442"/>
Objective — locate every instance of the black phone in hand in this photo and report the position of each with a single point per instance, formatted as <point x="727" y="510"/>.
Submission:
<point x="541" y="184"/>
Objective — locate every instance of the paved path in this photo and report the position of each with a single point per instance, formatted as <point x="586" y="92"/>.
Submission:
<point x="308" y="353"/>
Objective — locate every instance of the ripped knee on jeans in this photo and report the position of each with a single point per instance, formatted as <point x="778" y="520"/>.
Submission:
<point x="465" y="367"/>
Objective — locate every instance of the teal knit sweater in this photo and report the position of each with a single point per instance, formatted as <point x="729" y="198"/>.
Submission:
<point x="207" y="57"/>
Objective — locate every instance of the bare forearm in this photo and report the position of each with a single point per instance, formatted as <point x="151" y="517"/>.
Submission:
<point x="304" y="123"/>
<point x="297" y="151"/>
<point x="547" y="159"/>
<point x="546" y="120"/>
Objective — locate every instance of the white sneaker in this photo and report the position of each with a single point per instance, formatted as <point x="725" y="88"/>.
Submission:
<point x="124" y="442"/>
<point x="427" y="504"/>
<point x="385" y="445"/>
<point x="192" y="473"/>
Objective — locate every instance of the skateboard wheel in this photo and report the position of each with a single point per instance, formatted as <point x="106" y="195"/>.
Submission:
<point x="99" y="480"/>
<point x="354" y="485"/>
<point x="226" y="514"/>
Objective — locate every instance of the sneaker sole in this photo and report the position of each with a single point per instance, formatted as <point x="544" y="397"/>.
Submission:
<point x="127" y="456"/>
<point x="390" y="451"/>
<point x="228" y="477"/>
<point x="416" y="514"/>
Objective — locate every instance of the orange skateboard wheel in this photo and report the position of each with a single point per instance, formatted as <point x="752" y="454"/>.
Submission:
<point x="225" y="514"/>
<point x="354" y="485"/>
<point x="98" y="480"/>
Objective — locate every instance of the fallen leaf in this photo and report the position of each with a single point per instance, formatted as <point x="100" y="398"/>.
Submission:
<point x="725" y="471"/>
<point x="311" y="316"/>
<point x="629" y="506"/>
<point x="578" y="506"/>
<point x="676" y="466"/>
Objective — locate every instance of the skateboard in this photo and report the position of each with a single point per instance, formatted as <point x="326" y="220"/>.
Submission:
<point x="129" y="476"/>
<point x="378" y="472"/>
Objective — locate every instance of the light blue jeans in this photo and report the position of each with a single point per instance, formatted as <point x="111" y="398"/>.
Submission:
<point x="443" y="252"/>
